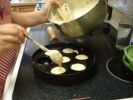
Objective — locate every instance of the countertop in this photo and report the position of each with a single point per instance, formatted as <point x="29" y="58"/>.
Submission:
<point x="102" y="86"/>
<point x="22" y="2"/>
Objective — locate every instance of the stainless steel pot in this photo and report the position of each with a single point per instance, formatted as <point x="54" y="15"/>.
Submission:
<point x="84" y="24"/>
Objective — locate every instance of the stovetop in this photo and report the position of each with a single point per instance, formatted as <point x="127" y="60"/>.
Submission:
<point x="102" y="86"/>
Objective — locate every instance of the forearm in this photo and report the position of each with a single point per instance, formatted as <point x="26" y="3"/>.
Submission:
<point x="29" y="19"/>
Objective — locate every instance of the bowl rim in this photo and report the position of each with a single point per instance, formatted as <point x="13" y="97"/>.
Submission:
<point x="126" y="53"/>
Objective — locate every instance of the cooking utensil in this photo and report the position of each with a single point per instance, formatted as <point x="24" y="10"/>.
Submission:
<point x="83" y="24"/>
<point x="42" y="65"/>
<point x="55" y="55"/>
<point x="36" y="43"/>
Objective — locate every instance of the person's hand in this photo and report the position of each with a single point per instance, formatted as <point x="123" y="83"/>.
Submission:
<point x="44" y="9"/>
<point x="11" y="36"/>
<point x="49" y="3"/>
<point x="42" y="14"/>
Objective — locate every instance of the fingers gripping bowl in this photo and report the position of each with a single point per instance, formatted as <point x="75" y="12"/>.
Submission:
<point x="72" y="71"/>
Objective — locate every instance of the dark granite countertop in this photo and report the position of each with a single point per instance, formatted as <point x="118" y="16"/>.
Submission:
<point x="102" y="86"/>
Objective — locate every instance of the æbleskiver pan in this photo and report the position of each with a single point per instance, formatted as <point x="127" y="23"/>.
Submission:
<point x="42" y="64"/>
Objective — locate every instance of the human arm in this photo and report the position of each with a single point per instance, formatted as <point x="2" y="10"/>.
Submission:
<point x="33" y="18"/>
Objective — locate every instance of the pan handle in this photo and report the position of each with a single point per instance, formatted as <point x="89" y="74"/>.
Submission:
<point x="52" y="34"/>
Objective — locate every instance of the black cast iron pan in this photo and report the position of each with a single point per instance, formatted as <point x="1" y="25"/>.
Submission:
<point x="42" y="64"/>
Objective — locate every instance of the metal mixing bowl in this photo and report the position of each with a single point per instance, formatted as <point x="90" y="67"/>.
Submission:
<point x="84" y="24"/>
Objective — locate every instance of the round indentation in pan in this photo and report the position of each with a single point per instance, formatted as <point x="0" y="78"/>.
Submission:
<point x="68" y="50"/>
<point x="78" y="67"/>
<point x="44" y="61"/>
<point x="66" y="59"/>
<point x="58" y="70"/>
<point x="81" y="57"/>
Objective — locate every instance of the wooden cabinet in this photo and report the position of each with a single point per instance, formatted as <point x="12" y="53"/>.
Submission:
<point x="23" y="8"/>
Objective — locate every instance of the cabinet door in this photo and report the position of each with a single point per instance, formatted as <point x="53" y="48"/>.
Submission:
<point x="16" y="9"/>
<point x="27" y="8"/>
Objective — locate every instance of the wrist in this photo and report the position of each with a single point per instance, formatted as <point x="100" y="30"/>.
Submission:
<point x="43" y="13"/>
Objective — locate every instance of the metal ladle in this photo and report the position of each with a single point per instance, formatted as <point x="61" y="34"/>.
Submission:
<point x="54" y="55"/>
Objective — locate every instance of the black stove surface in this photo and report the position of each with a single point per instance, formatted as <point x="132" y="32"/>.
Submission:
<point x="102" y="86"/>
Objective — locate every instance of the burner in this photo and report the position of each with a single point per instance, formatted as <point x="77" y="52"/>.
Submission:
<point x="116" y="68"/>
